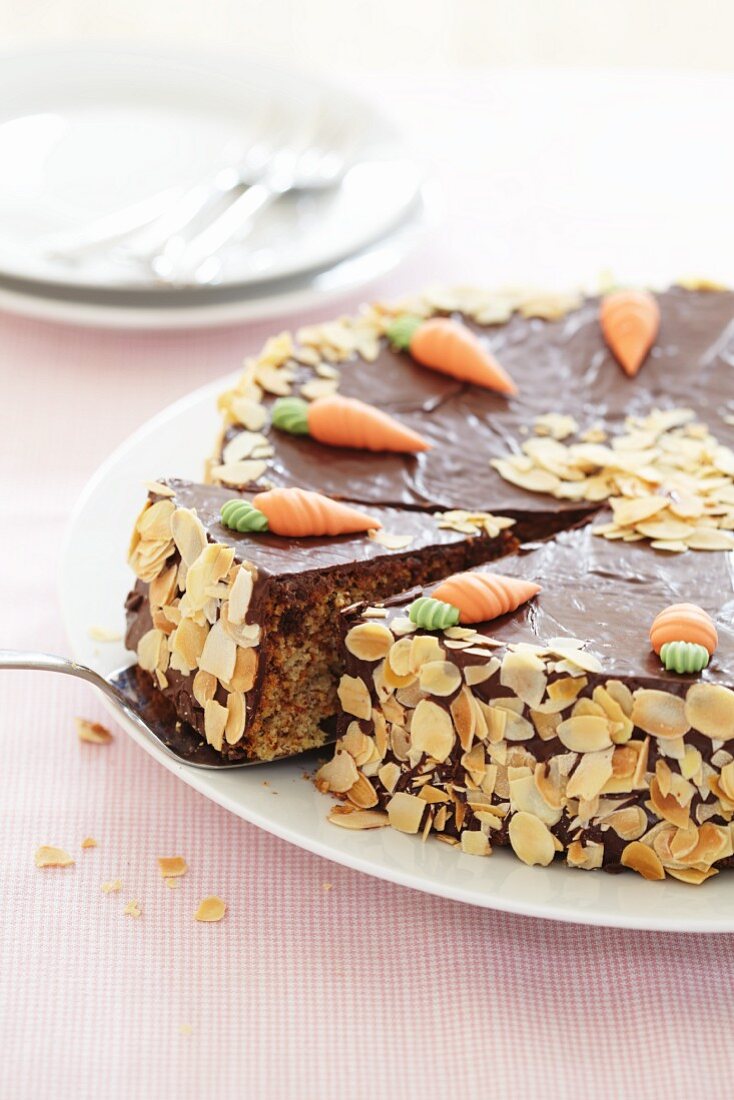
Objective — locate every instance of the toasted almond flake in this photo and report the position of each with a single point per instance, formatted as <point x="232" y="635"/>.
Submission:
<point x="48" y="856"/>
<point x="215" y="719"/>
<point x="210" y="909"/>
<point x="219" y="653"/>
<point x="660" y="713"/>
<point x="354" y="696"/>
<point x="359" y="819"/>
<point x="479" y="674"/>
<point x="405" y="812"/>
<point x="631" y="512"/>
<point x="172" y="866"/>
<point x="709" y="708"/>
<point x="132" y="909"/>
<point x="246" y="445"/>
<point x="531" y="840"/>
<point x="89" y="842"/>
<point x="585" y="733"/>
<point x="593" y="771"/>
<point x="240" y="595"/>
<point x="439" y="678"/>
<point x="157" y="488"/>
<point x="112" y="887"/>
<point x="362" y="794"/>
<point x="524" y="673"/>
<point x="245" y="670"/>
<point x="432" y="731"/>
<point x="475" y="843"/>
<point x="641" y="858"/>
<point x="390" y="541"/>
<point x="319" y="387"/>
<point x="555" y="425"/>
<point x="525" y="796"/>
<point x="339" y="774"/>
<point x="234" y="727"/>
<point x="369" y="641"/>
<point x="388" y="775"/>
<point x="706" y="538"/>
<point x="94" y="733"/>
<point x="239" y="474"/>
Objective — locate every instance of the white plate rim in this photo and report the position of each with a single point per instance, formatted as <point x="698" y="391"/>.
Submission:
<point x="200" y="780"/>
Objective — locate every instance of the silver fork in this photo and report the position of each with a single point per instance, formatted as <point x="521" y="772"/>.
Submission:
<point x="123" y="690"/>
<point x="316" y="164"/>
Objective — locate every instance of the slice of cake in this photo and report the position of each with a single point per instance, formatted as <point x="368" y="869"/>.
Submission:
<point x="239" y="629"/>
<point x="554" y="728"/>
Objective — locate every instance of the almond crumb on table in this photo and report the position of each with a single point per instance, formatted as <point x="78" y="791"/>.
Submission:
<point x="93" y="733"/>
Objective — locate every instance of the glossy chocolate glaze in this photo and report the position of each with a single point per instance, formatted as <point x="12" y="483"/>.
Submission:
<point x="560" y="366"/>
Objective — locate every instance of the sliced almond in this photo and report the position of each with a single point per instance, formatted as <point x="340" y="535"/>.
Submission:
<point x="369" y="641"/>
<point x="338" y="775"/>
<point x="92" y="732"/>
<point x="432" y="731"/>
<point x="219" y="653"/>
<point x="359" y="819"/>
<point x="641" y="858"/>
<point x="525" y="796"/>
<point x="591" y="774"/>
<point x="524" y="673"/>
<point x="204" y="687"/>
<point x="405" y="812"/>
<point x="585" y="733"/>
<point x="354" y="696"/>
<point x="235" y="724"/>
<point x="362" y="794"/>
<point x="629" y="823"/>
<point x="240" y="595"/>
<point x="215" y="719"/>
<point x="660" y="713"/>
<point x="210" y="909"/>
<point x="439" y="678"/>
<point x="48" y="856"/>
<point x="531" y="840"/>
<point x="709" y="708"/>
<point x="475" y="843"/>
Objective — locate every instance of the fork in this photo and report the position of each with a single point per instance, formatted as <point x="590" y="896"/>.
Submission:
<point x="312" y="166"/>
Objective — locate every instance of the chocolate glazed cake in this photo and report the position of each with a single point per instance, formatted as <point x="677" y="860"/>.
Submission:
<point x="239" y="629"/>
<point x="554" y="729"/>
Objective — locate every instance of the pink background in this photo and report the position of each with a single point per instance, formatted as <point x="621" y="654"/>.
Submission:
<point x="363" y="990"/>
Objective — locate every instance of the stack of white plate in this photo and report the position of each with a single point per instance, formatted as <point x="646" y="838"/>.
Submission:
<point x="87" y="134"/>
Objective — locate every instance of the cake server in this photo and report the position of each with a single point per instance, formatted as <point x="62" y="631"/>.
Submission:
<point x="124" y="692"/>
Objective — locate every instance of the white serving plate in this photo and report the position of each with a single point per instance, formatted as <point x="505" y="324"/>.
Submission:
<point x="94" y="580"/>
<point x="86" y="132"/>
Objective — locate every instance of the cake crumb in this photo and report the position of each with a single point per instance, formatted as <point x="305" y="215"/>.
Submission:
<point x="326" y="886"/>
<point x="185" y="1029"/>
<point x="172" y="866"/>
<point x="101" y="634"/>
<point x="89" y="842"/>
<point x="94" y="733"/>
<point x="112" y="887"/>
<point x="172" y="883"/>
<point x="211" y="909"/>
<point x="132" y="909"/>
<point x="48" y="856"/>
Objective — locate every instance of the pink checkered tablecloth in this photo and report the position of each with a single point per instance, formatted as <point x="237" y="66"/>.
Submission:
<point x="363" y="989"/>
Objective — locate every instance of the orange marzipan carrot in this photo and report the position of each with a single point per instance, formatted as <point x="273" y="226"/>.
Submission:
<point x="630" y="321"/>
<point x="481" y="596"/>
<point x="446" y="345"/>
<point x="684" y="622"/>
<point x="346" y="422"/>
<point x="300" y="513"/>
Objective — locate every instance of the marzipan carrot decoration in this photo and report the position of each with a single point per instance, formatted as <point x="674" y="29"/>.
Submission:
<point x="630" y="320"/>
<point x="684" y="622"/>
<point x="448" y="346"/>
<point x="346" y="422"/>
<point x="481" y="596"/>
<point x="299" y="513"/>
